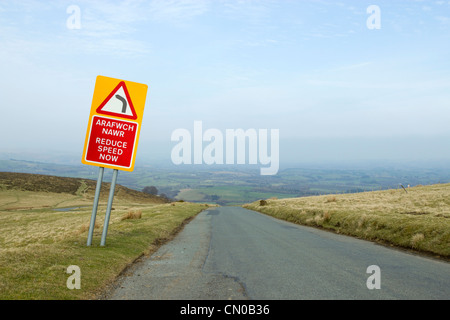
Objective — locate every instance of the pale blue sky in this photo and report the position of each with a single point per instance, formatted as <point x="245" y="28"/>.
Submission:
<point x="312" y="69"/>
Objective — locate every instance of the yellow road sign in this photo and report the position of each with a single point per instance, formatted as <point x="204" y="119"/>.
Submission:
<point x="114" y="123"/>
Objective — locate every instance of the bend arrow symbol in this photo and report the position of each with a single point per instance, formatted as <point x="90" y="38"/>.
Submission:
<point x="124" y="103"/>
<point x="109" y="106"/>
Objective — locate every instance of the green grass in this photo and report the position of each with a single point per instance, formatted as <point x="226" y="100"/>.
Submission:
<point x="38" y="244"/>
<point x="228" y="195"/>
<point x="33" y="264"/>
<point x="191" y="195"/>
<point x="418" y="220"/>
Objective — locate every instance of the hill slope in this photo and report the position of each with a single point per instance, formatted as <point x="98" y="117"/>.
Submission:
<point x="73" y="186"/>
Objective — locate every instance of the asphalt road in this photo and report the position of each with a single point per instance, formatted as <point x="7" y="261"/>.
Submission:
<point x="233" y="253"/>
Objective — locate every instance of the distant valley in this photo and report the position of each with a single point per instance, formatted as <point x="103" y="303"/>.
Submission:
<point x="233" y="185"/>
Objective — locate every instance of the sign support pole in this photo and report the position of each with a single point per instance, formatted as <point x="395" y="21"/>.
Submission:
<point x="112" y="135"/>
<point x="95" y="206"/>
<point x="108" y="208"/>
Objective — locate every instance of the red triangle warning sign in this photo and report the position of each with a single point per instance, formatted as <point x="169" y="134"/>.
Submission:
<point x="118" y="103"/>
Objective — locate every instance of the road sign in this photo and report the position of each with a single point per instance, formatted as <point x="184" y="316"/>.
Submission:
<point x="114" y="123"/>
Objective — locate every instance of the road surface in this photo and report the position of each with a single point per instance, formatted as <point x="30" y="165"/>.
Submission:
<point x="234" y="253"/>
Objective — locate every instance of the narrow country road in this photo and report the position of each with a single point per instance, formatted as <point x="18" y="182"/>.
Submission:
<point x="234" y="253"/>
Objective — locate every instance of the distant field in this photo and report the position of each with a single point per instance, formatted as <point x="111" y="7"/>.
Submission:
<point x="38" y="242"/>
<point x="231" y="185"/>
<point x="224" y="195"/>
<point x="417" y="219"/>
<point x="190" y="195"/>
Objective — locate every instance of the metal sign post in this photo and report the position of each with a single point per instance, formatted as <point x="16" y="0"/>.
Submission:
<point x="108" y="208"/>
<point x="95" y="206"/>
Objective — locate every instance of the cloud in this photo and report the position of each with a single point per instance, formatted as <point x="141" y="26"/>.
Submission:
<point x="443" y="20"/>
<point x="106" y="26"/>
<point x="352" y="66"/>
<point x="176" y="11"/>
<point x="114" y="27"/>
<point x="255" y="11"/>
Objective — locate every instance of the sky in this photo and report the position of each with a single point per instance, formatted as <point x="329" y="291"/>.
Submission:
<point x="335" y="88"/>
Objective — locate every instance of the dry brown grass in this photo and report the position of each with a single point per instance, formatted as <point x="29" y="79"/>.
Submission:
<point x="85" y="227"/>
<point x="79" y="188"/>
<point x="132" y="215"/>
<point x="416" y="239"/>
<point x="37" y="243"/>
<point x="326" y="216"/>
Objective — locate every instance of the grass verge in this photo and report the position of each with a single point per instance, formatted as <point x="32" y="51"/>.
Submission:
<point x="38" y="244"/>
<point x="417" y="218"/>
